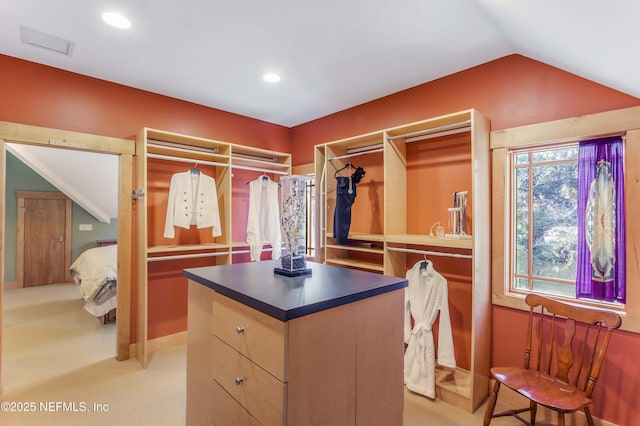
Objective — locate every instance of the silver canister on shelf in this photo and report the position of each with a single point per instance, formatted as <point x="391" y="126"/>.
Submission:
<point x="458" y="216"/>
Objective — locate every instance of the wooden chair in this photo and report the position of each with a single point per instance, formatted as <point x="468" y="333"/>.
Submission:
<point x="560" y="372"/>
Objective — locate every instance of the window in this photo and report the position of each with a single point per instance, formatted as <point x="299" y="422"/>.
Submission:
<point x="543" y="224"/>
<point x="538" y="138"/>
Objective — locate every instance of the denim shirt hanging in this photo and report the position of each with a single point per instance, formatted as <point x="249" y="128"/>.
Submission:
<point x="345" y="197"/>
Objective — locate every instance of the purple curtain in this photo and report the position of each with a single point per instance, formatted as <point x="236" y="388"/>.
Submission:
<point x="601" y="273"/>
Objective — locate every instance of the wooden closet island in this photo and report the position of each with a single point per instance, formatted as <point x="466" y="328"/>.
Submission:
<point x="265" y="349"/>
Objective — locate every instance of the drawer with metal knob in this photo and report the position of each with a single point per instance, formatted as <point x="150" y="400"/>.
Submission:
<point x="251" y="386"/>
<point x="228" y="411"/>
<point x="259" y="337"/>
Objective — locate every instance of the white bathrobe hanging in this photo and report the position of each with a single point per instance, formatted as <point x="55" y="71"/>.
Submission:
<point x="425" y="296"/>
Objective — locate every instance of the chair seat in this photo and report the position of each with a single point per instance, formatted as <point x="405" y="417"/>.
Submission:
<point x="541" y="388"/>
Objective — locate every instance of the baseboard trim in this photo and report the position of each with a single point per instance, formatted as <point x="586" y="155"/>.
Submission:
<point x="10" y="286"/>
<point x="160" y="343"/>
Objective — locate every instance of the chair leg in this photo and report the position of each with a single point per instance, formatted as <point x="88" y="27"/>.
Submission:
<point x="560" y="419"/>
<point x="587" y="412"/>
<point x="533" y="408"/>
<point x="491" y="404"/>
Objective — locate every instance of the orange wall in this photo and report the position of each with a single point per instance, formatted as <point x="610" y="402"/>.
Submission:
<point x="511" y="91"/>
<point x="44" y="96"/>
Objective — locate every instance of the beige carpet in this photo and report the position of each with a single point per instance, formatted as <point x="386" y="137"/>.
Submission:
<point x="57" y="358"/>
<point x="58" y="363"/>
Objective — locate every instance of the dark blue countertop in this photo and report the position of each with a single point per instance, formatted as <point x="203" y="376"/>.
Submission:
<point x="254" y="284"/>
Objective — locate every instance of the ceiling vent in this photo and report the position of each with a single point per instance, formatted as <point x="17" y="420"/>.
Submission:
<point x="47" y="41"/>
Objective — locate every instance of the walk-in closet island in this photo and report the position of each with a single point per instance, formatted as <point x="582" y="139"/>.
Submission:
<point x="263" y="348"/>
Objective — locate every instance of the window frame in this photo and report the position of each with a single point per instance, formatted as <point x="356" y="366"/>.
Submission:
<point x="512" y="153"/>
<point x="559" y="132"/>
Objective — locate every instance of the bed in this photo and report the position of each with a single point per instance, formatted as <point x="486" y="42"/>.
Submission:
<point x="95" y="272"/>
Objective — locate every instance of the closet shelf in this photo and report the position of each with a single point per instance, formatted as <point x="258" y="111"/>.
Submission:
<point x="180" y="140"/>
<point x="239" y="244"/>
<point x="356" y="248"/>
<point x="185" y="153"/>
<point x="264" y="164"/>
<point x="362" y="237"/>
<point x="425" y="240"/>
<point x="355" y="144"/>
<point x="356" y="264"/>
<point x="186" y="247"/>
<point x="458" y="119"/>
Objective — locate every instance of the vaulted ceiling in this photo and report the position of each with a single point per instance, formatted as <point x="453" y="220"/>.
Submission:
<point x="88" y="178"/>
<point x="330" y="54"/>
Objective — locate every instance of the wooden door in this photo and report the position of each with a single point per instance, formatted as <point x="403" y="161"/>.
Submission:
<point x="44" y="238"/>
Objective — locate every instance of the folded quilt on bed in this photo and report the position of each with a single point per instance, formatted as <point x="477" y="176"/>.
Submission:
<point x="93" y="269"/>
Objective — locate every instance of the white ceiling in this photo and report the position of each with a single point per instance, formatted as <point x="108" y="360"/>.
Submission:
<point x="331" y="54"/>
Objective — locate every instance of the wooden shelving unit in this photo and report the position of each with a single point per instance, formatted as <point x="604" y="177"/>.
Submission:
<point x="159" y="260"/>
<point x="415" y="168"/>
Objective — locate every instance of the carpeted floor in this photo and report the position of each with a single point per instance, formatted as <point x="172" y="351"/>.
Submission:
<point x="59" y="368"/>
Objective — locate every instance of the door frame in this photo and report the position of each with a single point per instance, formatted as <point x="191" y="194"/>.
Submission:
<point x="39" y="195"/>
<point x="125" y="149"/>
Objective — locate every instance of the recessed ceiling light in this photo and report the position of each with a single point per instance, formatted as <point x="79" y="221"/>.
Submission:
<point x="271" y="77"/>
<point x="116" y="20"/>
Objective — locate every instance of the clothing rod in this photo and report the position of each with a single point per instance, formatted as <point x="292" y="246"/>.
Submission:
<point x="434" y="130"/>
<point x="365" y="148"/>
<point x="437" y="135"/>
<point x="258" y="169"/>
<point x="186" y="256"/>
<point x="355" y="154"/>
<point x="156" y="142"/>
<point x="254" y="157"/>
<point x="431" y="253"/>
<point x="186" y="160"/>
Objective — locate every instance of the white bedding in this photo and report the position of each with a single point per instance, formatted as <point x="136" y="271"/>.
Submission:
<point x="92" y="271"/>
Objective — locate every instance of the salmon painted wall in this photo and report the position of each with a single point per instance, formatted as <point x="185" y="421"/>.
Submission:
<point x="511" y="91"/>
<point x="43" y="96"/>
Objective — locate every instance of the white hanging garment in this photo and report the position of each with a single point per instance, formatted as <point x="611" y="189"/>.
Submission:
<point x="264" y="218"/>
<point x="193" y="200"/>
<point x="425" y="296"/>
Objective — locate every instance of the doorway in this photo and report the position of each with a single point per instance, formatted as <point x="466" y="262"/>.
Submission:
<point x="44" y="238"/>
<point x="125" y="149"/>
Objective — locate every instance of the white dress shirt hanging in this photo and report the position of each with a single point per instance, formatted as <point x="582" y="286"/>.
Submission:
<point x="425" y="296"/>
<point x="264" y="217"/>
<point x="193" y="200"/>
